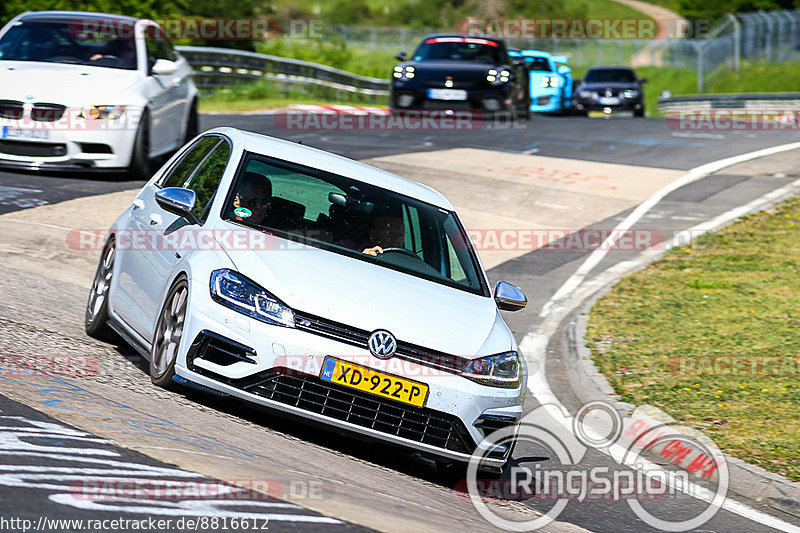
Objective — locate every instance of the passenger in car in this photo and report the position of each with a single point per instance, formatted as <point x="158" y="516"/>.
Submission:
<point x="252" y="199"/>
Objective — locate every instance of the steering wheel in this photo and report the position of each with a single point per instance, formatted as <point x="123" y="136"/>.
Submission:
<point x="405" y="251"/>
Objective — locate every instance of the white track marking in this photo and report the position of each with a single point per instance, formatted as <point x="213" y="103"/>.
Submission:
<point x="694" y="174"/>
<point x="576" y="289"/>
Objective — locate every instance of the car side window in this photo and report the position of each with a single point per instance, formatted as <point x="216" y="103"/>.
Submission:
<point x="179" y="175"/>
<point x="158" y="48"/>
<point x="206" y="180"/>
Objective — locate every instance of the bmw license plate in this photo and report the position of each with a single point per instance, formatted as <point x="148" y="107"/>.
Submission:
<point x="609" y="100"/>
<point x="447" y="94"/>
<point x="374" y="382"/>
<point x="17" y="133"/>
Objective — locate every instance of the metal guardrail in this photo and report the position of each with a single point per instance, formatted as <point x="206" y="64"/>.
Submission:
<point x="751" y="101"/>
<point x="215" y="68"/>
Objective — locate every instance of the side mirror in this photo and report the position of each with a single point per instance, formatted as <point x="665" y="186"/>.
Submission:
<point x="563" y="69"/>
<point x="178" y="201"/>
<point x="643" y="80"/>
<point x="508" y="297"/>
<point x="164" y="67"/>
<point x="401" y="56"/>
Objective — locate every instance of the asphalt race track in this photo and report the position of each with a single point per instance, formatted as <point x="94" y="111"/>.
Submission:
<point x="109" y="414"/>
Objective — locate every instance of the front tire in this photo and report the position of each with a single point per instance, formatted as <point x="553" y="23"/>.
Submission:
<point x="169" y="331"/>
<point x="96" y="317"/>
<point x="192" y="124"/>
<point x="139" y="167"/>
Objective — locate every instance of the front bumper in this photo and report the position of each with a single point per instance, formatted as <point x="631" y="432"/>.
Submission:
<point x="278" y="368"/>
<point x="488" y="99"/>
<point x="545" y="100"/>
<point x="625" y="104"/>
<point x="58" y="147"/>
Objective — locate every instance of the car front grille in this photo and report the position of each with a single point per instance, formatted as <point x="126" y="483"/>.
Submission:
<point x="33" y="149"/>
<point x="312" y="394"/>
<point x="47" y="112"/>
<point x="359" y="337"/>
<point x="447" y="104"/>
<point x="11" y="109"/>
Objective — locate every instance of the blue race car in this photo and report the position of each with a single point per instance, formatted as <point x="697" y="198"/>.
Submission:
<point x="550" y="81"/>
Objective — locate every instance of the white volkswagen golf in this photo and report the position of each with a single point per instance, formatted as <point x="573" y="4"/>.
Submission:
<point x="83" y="91"/>
<point x="318" y="287"/>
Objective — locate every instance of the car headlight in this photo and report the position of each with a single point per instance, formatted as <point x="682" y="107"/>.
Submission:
<point x="630" y="93"/>
<point x="401" y="72"/>
<point x="234" y="290"/>
<point x="550" y="81"/>
<point x="109" y="112"/>
<point x="502" y="370"/>
<point x="584" y="94"/>
<point x="497" y="77"/>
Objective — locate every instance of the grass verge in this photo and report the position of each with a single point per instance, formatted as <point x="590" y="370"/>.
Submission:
<point x="711" y="335"/>
<point x="268" y="95"/>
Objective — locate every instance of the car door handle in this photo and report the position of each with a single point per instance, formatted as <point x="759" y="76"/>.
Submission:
<point x="138" y="204"/>
<point x="155" y="219"/>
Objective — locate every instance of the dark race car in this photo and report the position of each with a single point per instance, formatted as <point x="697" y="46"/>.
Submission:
<point x="455" y="72"/>
<point x="610" y="89"/>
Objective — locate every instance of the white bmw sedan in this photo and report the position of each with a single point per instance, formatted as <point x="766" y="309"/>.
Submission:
<point x="318" y="287"/>
<point x="83" y="91"/>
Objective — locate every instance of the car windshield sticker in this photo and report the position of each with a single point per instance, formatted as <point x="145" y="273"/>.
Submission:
<point x="242" y="212"/>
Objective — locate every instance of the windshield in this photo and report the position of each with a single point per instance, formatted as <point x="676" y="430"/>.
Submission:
<point x="59" y="42"/>
<point x="538" y="63"/>
<point x="459" y="49"/>
<point x="610" y="75"/>
<point x="355" y="219"/>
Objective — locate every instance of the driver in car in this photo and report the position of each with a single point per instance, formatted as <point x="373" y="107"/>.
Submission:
<point x="387" y="231"/>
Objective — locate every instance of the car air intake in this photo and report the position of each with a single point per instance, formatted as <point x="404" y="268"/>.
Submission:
<point x="47" y="112"/>
<point x="10" y="109"/>
<point x="418" y="424"/>
<point x="33" y="149"/>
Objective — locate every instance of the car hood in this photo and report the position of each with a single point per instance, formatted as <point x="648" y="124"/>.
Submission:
<point x="369" y="297"/>
<point x="458" y="70"/>
<point x="70" y="85"/>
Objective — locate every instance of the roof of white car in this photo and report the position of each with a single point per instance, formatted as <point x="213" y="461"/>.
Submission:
<point x="320" y="159"/>
<point x="60" y="15"/>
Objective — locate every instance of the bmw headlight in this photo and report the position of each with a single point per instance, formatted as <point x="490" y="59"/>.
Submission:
<point x="109" y="112"/>
<point x="233" y="290"/>
<point x="630" y="93"/>
<point x="550" y="81"/>
<point x="497" y="77"/>
<point x="503" y="370"/>
<point x="584" y="94"/>
<point x="401" y="72"/>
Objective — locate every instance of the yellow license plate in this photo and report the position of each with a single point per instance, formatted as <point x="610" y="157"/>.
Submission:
<point x="374" y="382"/>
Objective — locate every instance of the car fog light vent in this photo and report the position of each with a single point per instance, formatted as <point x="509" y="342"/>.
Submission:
<point x="491" y="104"/>
<point x="405" y="100"/>
<point x="216" y="349"/>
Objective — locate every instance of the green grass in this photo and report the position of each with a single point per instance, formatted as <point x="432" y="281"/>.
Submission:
<point x="267" y="95"/>
<point x="668" y="336"/>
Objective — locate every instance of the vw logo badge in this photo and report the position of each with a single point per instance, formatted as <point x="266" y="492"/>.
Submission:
<point x="382" y="344"/>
